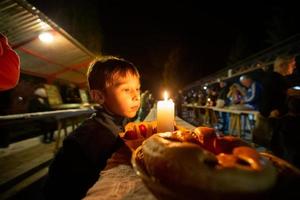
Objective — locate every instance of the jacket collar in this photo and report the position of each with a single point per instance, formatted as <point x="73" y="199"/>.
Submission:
<point x="110" y="120"/>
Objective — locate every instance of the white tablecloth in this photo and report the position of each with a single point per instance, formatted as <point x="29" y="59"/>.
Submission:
<point x="118" y="181"/>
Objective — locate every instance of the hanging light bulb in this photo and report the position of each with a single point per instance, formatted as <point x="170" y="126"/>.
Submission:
<point x="46" y="37"/>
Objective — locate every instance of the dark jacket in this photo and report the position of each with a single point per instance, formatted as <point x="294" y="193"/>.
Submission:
<point x="274" y="94"/>
<point x="286" y="139"/>
<point x="84" y="153"/>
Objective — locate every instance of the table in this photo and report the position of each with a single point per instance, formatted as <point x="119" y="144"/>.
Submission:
<point x="66" y="106"/>
<point x="235" y="115"/>
<point x="61" y="116"/>
<point x="118" y="181"/>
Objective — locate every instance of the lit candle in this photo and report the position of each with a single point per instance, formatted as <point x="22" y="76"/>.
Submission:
<point x="165" y="114"/>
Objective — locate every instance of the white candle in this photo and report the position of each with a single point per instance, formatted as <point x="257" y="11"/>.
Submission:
<point x="165" y="115"/>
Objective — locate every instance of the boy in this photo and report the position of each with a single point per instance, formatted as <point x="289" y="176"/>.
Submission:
<point x="114" y="84"/>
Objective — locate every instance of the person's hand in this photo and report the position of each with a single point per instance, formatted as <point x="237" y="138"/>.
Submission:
<point x="274" y="114"/>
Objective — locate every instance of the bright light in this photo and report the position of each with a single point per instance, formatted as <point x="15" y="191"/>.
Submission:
<point x="166" y="95"/>
<point x="205" y="87"/>
<point x="46" y="37"/>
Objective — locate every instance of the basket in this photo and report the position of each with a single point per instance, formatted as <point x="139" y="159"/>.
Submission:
<point x="287" y="183"/>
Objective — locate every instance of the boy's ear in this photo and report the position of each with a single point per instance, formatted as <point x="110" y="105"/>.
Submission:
<point x="97" y="96"/>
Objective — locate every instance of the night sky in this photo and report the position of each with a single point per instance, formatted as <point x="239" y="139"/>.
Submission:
<point x="174" y="44"/>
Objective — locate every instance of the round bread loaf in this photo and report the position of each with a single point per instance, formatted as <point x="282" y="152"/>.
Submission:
<point x="176" y="159"/>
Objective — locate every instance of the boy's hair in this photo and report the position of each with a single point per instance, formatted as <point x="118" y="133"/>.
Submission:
<point x="103" y="71"/>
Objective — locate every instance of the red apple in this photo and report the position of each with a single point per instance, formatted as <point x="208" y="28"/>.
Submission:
<point x="143" y="130"/>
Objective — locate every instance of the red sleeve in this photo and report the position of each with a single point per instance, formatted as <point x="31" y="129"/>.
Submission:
<point x="1" y="49"/>
<point x="9" y="68"/>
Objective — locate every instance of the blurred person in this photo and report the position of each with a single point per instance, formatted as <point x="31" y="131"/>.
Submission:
<point x="201" y="98"/>
<point x="151" y="100"/>
<point x="144" y="108"/>
<point x="39" y="103"/>
<point x="195" y="97"/>
<point x="235" y="94"/>
<point x="223" y="101"/>
<point x="254" y="92"/>
<point x="285" y="138"/>
<point x="274" y="95"/>
<point x="192" y="97"/>
<point x="275" y="86"/>
<point x="211" y="96"/>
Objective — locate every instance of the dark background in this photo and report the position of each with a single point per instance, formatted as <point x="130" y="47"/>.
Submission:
<point x="174" y="43"/>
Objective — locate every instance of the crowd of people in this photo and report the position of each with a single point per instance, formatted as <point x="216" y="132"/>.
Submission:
<point x="269" y="95"/>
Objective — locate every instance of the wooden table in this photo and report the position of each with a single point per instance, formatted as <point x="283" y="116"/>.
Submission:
<point x="118" y="181"/>
<point x="61" y="116"/>
<point x="235" y="115"/>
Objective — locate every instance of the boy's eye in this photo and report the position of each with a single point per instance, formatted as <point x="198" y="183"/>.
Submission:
<point x="126" y="89"/>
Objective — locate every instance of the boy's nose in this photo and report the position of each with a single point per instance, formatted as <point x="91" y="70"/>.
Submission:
<point x="136" y="95"/>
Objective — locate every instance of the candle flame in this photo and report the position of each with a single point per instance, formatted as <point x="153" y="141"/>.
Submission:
<point x="166" y="95"/>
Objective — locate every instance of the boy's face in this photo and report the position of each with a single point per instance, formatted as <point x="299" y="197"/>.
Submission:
<point x="123" y="96"/>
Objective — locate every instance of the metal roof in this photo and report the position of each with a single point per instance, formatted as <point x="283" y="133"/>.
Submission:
<point x="64" y="58"/>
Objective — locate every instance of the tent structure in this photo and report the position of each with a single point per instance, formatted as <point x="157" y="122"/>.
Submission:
<point x="45" y="49"/>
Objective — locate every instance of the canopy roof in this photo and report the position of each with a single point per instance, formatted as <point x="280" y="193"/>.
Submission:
<point x="64" y="58"/>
